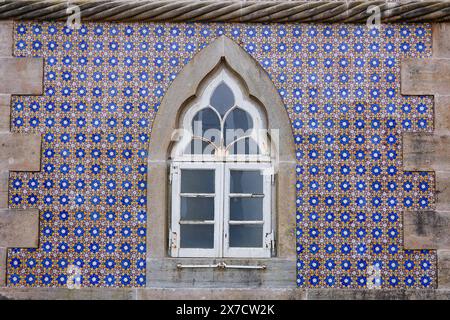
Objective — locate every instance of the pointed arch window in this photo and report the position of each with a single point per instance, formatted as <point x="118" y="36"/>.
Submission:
<point x="221" y="175"/>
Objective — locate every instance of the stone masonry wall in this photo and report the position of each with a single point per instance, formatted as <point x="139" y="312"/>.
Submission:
<point x="18" y="152"/>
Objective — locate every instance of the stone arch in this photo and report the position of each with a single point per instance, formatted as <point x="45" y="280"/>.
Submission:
<point x="184" y="88"/>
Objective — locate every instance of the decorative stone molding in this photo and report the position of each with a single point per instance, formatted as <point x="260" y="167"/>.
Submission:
<point x="162" y="269"/>
<point x="431" y="151"/>
<point x="18" y="152"/>
<point x="228" y="11"/>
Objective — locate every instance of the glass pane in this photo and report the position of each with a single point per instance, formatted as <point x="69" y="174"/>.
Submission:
<point x="197" y="236"/>
<point x="246" y="181"/>
<point x="206" y="120"/>
<point x="222" y="98"/>
<point x="197" y="208"/>
<point x="244" y="146"/>
<point x="237" y="124"/>
<point x="198" y="146"/>
<point x="246" y="209"/>
<point x="246" y="235"/>
<point x="197" y="181"/>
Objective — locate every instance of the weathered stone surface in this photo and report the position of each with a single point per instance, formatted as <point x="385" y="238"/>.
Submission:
<point x="19" y="228"/>
<point x="442" y="191"/>
<point x="425" y="76"/>
<point x="67" y="294"/>
<point x="6" y="36"/>
<point x="4" y="181"/>
<point x="443" y="269"/>
<point x="3" y="258"/>
<point x="374" y="294"/>
<point x="5" y="100"/>
<point x="442" y="113"/>
<point x="426" y="151"/>
<point x="20" y="152"/>
<point x="220" y="294"/>
<point x="426" y="229"/>
<point x="21" y="75"/>
<point x="155" y="293"/>
<point x="441" y="40"/>
<point x="279" y="273"/>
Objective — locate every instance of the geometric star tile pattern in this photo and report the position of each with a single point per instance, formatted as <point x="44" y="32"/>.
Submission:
<point x="340" y="85"/>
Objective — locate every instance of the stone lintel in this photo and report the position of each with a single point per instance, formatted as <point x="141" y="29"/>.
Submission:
<point x="20" y="152"/>
<point x="425" y="76"/>
<point x="19" y="228"/>
<point x="426" y="229"/>
<point x="23" y="76"/>
<point x="6" y="36"/>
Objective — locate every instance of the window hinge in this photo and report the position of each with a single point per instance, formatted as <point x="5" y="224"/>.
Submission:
<point x="269" y="241"/>
<point x="173" y="242"/>
<point x="173" y="171"/>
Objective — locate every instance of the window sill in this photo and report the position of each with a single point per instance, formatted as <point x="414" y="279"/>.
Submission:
<point x="165" y="272"/>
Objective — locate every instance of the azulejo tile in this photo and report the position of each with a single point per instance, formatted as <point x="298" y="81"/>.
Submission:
<point x="103" y="86"/>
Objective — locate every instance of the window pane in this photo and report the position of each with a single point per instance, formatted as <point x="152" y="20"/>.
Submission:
<point x="246" y="235"/>
<point x="244" y="146"/>
<point x="197" y="208"/>
<point x="197" y="181"/>
<point x="237" y="124"/>
<point x="246" y="181"/>
<point x="206" y="120"/>
<point x="197" y="236"/>
<point x="222" y="98"/>
<point x="198" y="146"/>
<point x="246" y="209"/>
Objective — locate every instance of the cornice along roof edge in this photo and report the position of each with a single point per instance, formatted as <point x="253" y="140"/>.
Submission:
<point x="227" y="11"/>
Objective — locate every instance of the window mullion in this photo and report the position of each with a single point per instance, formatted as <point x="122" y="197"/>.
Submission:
<point x="221" y="173"/>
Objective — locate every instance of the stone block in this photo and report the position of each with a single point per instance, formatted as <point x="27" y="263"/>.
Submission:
<point x="426" y="229"/>
<point x="21" y="75"/>
<point x="426" y="151"/>
<point x="6" y="36"/>
<point x="425" y="76"/>
<point x="442" y="191"/>
<point x="5" y="110"/>
<point x="443" y="269"/>
<point x="20" y="152"/>
<point x="441" y="40"/>
<point x="442" y="113"/>
<point x="3" y="263"/>
<point x="4" y="184"/>
<point x="19" y="228"/>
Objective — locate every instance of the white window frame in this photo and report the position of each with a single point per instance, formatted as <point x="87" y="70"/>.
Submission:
<point x="221" y="211"/>
<point x="222" y="162"/>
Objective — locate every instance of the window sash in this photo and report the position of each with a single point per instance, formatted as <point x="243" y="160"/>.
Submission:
<point x="221" y="220"/>
<point x="250" y="252"/>
<point x="175" y="235"/>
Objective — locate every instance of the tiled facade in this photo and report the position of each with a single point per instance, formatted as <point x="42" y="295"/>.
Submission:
<point x="103" y="85"/>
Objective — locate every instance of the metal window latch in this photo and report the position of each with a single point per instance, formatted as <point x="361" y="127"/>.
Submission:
<point x="220" y="265"/>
